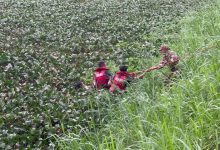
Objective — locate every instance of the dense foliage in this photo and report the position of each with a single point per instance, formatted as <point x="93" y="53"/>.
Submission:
<point x="79" y="33"/>
<point x="46" y="45"/>
<point x="183" y="114"/>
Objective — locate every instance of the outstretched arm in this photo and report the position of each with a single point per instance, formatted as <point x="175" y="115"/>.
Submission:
<point x="87" y="87"/>
<point x="80" y="85"/>
<point x="154" y="68"/>
<point x="140" y="76"/>
<point x="147" y="70"/>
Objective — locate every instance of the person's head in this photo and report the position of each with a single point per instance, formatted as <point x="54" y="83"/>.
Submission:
<point x="101" y="63"/>
<point x="123" y="68"/>
<point x="78" y="85"/>
<point x="164" y="48"/>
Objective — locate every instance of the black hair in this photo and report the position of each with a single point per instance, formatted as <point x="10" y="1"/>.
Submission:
<point x="101" y="63"/>
<point x="123" y="68"/>
<point x="78" y="85"/>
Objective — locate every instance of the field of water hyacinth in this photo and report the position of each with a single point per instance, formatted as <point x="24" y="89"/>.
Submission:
<point x="47" y="45"/>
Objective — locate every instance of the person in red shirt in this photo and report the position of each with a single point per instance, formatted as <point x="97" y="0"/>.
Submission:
<point x="102" y="76"/>
<point x="122" y="78"/>
<point x="101" y="79"/>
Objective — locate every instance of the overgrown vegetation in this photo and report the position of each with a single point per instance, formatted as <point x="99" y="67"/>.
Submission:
<point x="181" y="116"/>
<point x="46" y="45"/>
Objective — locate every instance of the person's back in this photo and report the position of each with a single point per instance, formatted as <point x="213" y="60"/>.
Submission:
<point x="121" y="79"/>
<point x="101" y="76"/>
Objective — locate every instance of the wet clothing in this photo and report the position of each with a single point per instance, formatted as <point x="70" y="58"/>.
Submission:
<point x="120" y="81"/>
<point x="171" y="60"/>
<point x="102" y="77"/>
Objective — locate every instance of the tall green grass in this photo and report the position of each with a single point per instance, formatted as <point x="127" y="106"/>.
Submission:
<point x="183" y="115"/>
